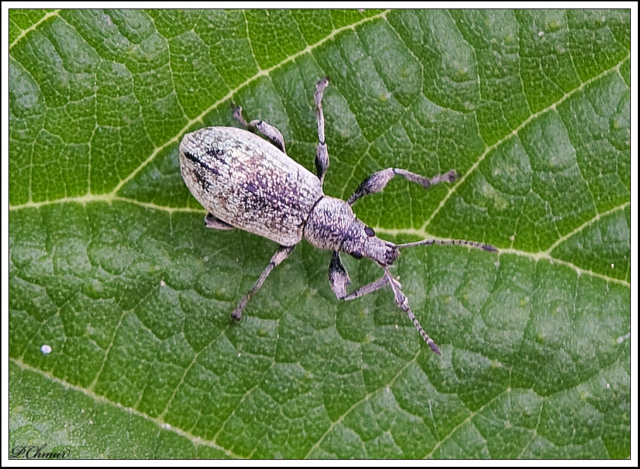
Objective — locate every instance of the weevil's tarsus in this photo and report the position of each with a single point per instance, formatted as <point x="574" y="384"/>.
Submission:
<point x="281" y="254"/>
<point x="211" y="221"/>
<point x="270" y="132"/>
<point x="378" y="181"/>
<point x="429" y="242"/>
<point x="322" y="154"/>
<point x="403" y="304"/>
<point x="338" y="276"/>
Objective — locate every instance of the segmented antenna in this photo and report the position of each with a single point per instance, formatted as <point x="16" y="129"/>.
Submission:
<point x="403" y="304"/>
<point x="428" y="242"/>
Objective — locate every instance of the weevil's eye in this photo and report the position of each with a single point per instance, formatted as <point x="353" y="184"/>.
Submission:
<point x="356" y="254"/>
<point x="370" y="232"/>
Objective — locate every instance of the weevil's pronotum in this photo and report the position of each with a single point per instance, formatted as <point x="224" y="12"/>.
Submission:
<point x="245" y="182"/>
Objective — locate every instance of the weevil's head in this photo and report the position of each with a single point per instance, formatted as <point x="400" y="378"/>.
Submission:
<point x="361" y="241"/>
<point x="333" y="225"/>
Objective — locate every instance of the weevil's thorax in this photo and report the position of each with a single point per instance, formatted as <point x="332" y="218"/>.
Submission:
<point x="332" y="225"/>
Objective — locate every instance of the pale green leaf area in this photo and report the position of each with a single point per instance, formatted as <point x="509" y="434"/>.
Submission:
<point x="112" y="267"/>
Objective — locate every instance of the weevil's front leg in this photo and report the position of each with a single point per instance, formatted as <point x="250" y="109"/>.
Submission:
<point x="368" y="288"/>
<point x="378" y="181"/>
<point x="211" y="221"/>
<point x="339" y="279"/>
<point x="280" y="255"/>
<point x="338" y="276"/>
<point x="403" y="304"/>
<point x="265" y="129"/>
<point x="322" y="154"/>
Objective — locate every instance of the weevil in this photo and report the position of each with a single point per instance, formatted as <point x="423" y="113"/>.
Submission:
<point x="247" y="182"/>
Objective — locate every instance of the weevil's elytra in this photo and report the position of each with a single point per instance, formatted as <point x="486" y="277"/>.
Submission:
<point x="246" y="182"/>
<point x="252" y="184"/>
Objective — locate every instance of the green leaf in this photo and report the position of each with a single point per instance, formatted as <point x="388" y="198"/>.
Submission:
<point x="112" y="267"/>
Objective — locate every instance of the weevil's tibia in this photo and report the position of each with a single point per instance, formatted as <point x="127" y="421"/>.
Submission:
<point x="378" y="181"/>
<point x="269" y="131"/>
<point x="403" y="304"/>
<point x="280" y="255"/>
<point x="322" y="154"/>
<point x="369" y="288"/>
<point x="429" y="242"/>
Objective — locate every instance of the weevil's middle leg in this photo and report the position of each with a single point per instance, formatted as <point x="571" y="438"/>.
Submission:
<point x="281" y="254"/>
<point x="322" y="154"/>
<point x="265" y="129"/>
<point x="378" y="181"/>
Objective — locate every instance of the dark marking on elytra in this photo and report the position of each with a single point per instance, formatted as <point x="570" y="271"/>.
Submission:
<point x="202" y="181"/>
<point x="199" y="162"/>
<point x="251" y="188"/>
<point x="216" y="153"/>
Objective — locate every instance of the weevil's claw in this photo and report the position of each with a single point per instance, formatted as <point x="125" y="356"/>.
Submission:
<point x="488" y="247"/>
<point x="452" y="175"/>
<point x="237" y="314"/>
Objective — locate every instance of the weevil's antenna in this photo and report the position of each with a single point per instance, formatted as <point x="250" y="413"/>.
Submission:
<point x="403" y="304"/>
<point x="428" y="242"/>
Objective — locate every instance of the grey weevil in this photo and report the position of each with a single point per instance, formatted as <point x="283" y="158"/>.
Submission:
<point x="245" y="182"/>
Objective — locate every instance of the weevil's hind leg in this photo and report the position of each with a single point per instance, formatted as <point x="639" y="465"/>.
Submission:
<point x="265" y="129"/>
<point x="403" y="304"/>
<point x="281" y="254"/>
<point x="378" y="181"/>
<point x="322" y="154"/>
<point x="211" y="221"/>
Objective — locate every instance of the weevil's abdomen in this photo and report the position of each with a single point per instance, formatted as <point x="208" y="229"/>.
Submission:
<point x="248" y="183"/>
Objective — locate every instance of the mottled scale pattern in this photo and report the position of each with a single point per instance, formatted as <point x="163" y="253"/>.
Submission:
<point x="247" y="182"/>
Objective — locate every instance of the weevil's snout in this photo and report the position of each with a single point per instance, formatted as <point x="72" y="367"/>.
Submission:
<point x="384" y="253"/>
<point x="392" y="253"/>
<point x="363" y="242"/>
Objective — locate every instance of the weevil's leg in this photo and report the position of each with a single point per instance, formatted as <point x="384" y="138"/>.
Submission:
<point x="281" y="254"/>
<point x="339" y="279"/>
<point x="368" y="288"/>
<point x="377" y="181"/>
<point x="429" y="242"/>
<point x="338" y="276"/>
<point x="322" y="155"/>
<point x="213" y="222"/>
<point x="265" y="129"/>
<point x="403" y="304"/>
